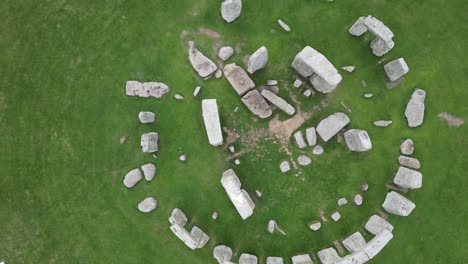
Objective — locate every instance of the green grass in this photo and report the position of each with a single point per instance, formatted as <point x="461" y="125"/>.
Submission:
<point x="63" y="109"/>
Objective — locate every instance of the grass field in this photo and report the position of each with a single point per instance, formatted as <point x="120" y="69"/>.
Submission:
<point x="63" y="68"/>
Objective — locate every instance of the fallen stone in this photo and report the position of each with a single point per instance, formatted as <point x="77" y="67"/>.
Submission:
<point x="342" y="201"/>
<point x="304" y="160"/>
<point x="315" y="226"/>
<point x="214" y="216"/>
<point x="284" y="166"/>
<point x="348" y="68"/>
<point x="222" y="254"/>
<point x="297" y="83"/>
<point x="248" y="259"/>
<point x="364" y="187"/>
<point x="147" y="89"/>
<point x="238" y="79"/>
<point x="218" y="73"/>
<point x="284" y="25"/>
<point x="272" y="88"/>
<point x="397" y="204"/>
<point x="231" y="10"/>
<point x="302" y="259"/>
<point x="357" y="199"/>
<point x="279" y="102"/>
<point x="149" y="142"/>
<point x="358" y="140"/>
<point x="225" y="53"/>
<point x="368" y="95"/>
<point x="149" y="170"/>
<point x="178" y="97"/>
<point x="202" y="64"/>
<point x="408" y="178"/>
<point x="414" y="112"/>
<point x="307" y="93"/>
<point x="299" y="138"/>
<point x="257" y="60"/>
<point x="354" y="242"/>
<point x="146" y="117"/>
<point x="237" y="161"/>
<point x="183" y="157"/>
<point x="452" y="120"/>
<point x="331" y="125"/>
<point x="232" y="149"/>
<point x="274" y="260"/>
<point x="197" y="91"/>
<point x="407" y="147"/>
<point x="239" y="197"/>
<point x="409" y="162"/>
<point x="271" y="226"/>
<point x="377" y="224"/>
<point x="132" y="178"/>
<point x="396" y="69"/>
<point x="257" y="104"/>
<point x="147" y="205"/>
<point x="383" y="123"/>
<point x="336" y="216"/>
<point x="272" y="82"/>
<point x="317" y="150"/>
<point x="328" y="256"/>
<point x="311" y="136"/>
<point x="212" y="122"/>
<point x="377" y="243"/>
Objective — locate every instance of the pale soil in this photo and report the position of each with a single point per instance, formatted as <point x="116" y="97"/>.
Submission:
<point x="452" y="121"/>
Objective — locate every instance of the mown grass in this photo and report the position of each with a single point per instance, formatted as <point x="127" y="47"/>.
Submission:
<point x="63" y="110"/>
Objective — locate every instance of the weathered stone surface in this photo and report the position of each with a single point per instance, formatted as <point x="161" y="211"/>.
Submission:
<point x="272" y="82"/>
<point x="409" y="162"/>
<point x="357" y="257"/>
<point x="396" y="69"/>
<point x="146" y="117"/>
<point x="257" y="60"/>
<point x="149" y="170"/>
<point x="149" y="142"/>
<point x="284" y="166"/>
<point x="248" y="259"/>
<point x="365" y="187"/>
<point x="408" y="178"/>
<point x="272" y="88"/>
<point x="132" y="178"/>
<point x="336" y="216"/>
<point x="315" y="226"/>
<point x="331" y="125"/>
<point x="147" y="89"/>
<point x="212" y="122"/>
<point x="202" y="64"/>
<point x="376" y="224"/>
<point x="357" y="199"/>
<point x="238" y="79"/>
<point x="147" y="205"/>
<point x="377" y="243"/>
<point x="218" y="73"/>
<point x="383" y="123"/>
<point x="354" y="242"/>
<point x="407" y="147"/>
<point x="178" y="97"/>
<point x="237" y="161"/>
<point x="231" y="10"/>
<point x="195" y="239"/>
<point x="279" y="102"/>
<point x="271" y="226"/>
<point x="257" y="104"/>
<point x="307" y="92"/>
<point x="297" y="83"/>
<point x="397" y="204"/>
<point x="239" y="197"/>
<point x="414" y="112"/>
<point x="225" y="53"/>
<point x="274" y="260"/>
<point x="383" y="42"/>
<point x="222" y="254"/>
<point x="317" y="150"/>
<point x="311" y="136"/>
<point x="348" y="68"/>
<point x="358" y="140"/>
<point x="342" y="201"/>
<point x="328" y="256"/>
<point x="304" y="160"/>
<point x="197" y="91"/>
<point x="302" y="259"/>
<point x="284" y="25"/>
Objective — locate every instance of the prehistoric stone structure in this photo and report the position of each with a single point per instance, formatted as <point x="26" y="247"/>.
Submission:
<point x="328" y="256"/>
<point x="377" y="224"/>
<point x="147" y="205"/>
<point x="302" y="259"/>
<point x="407" y="147"/>
<point x="147" y="89"/>
<point x="238" y="79"/>
<point x="383" y="42"/>
<point x="354" y="242"/>
<point x="358" y="140"/>
<point x="331" y="125"/>
<point x="409" y="162"/>
<point x="149" y="142"/>
<point x="248" y="259"/>
<point x="202" y="64"/>
<point x="239" y="197"/>
<point x="279" y="102"/>
<point x="408" y="178"/>
<point x="414" y="112"/>
<point x="194" y="239"/>
<point x="146" y="117"/>
<point x="397" y="204"/>
<point x="149" y="170"/>
<point x="299" y="138"/>
<point x="377" y="243"/>
<point x="274" y="260"/>
<point x="231" y="10"/>
<point x="132" y="178"/>
<point x="256" y="103"/>
<point x="225" y="53"/>
<point x="396" y="69"/>
<point x="212" y="122"/>
<point x="257" y="60"/>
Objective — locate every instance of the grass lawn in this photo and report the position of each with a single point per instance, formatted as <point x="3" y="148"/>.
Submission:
<point x="63" y="109"/>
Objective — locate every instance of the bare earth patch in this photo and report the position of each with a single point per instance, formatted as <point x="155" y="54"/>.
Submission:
<point x="452" y="121"/>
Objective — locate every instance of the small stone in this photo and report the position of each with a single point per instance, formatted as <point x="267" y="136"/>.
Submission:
<point x="348" y="68"/>
<point x="271" y="226"/>
<point x="232" y="149"/>
<point x="342" y="201"/>
<point x="147" y="205"/>
<point x="202" y="64"/>
<point x="225" y="53"/>
<point x="122" y="139"/>
<point x="364" y="187"/>
<point x="299" y="138"/>
<point x="178" y="97"/>
<point x="408" y="178"/>
<point x="414" y="111"/>
<point x="231" y="10"/>
<point x="383" y="123"/>
<point x="132" y="178"/>
<point x="237" y="161"/>
<point x="146" y="117"/>
<point x="407" y="147"/>
<point x="214" y="215"/>
<point x="336" y="216"/>
<point x="149" y="170"/>
<point x="197" y="91"/>
<point x="311" y="136"/>
<point x="272" y="82"/>
<point x="357" y="199"/>
<point x="396" y="69"/>
<point x="284" y="166"/>
<point x="274" y="260"/>
<point x="315" y="226"/>
<point x="182" y="157"/>
<point x="368" y="95"/>
<point x="307" y="92"/>
<point x="364" y="84"/>
<point x="284" y="25"/>
<point x="397" y="204"/>
<point x="258" y="193"/>
<point x="409" y="162"/>
<point x="218" y="74"/>
<point x="317" y="150"/>
<point x="297" y="83"/>
<point x="257" y="60"/>
<point x="304" y="160"/>
<point x="222" y="254"/>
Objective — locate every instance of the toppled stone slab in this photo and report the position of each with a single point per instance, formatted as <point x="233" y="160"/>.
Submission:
<point x="274" y="260"/>
<point x="212" y="122"/>
<point x="257" y="60"/>
<point x="132" y="178"/>
<point x="239" y="197"/>
<point x="328" y="256"/>
<point x="315" y="226"/>
<point x="271" y="226"/>
<point x="147" y="205"/>
<point x="311" y="136"/>
<point x="149" y="142"/>
<point x="331" y="125"/>
<point x="452" y="120"/>
<point x="231" y="10"/>
<point x="257" y="104"/>
<point x="408" y="178"/>
<point x="225" y="53"/>
<point x="317" y="150"/>
<point x="396" y="69"/>
<point x="202" y="64"/>
<point x="178" y="97"/>
<point x="149" y="170"/>
<point x="147" y="89"/>
<point x="397" y="204"/>
<point x="358" y="140"/>
<point x="336" y="216"/>
<point x="357" y="199"/>
<point x="222" y="254"/>
<point x="248" y="259"/>
<point x="285" y="166"/>
<point x="383" y="42"/>
<point x="197" y="91"/>
<point x="377" y="224"/>
<point x="284" y="25"/>
<point x="342" y="201"/>
<point x="378" y="243"/>
<point x="383" y="123"/>
<point x="178" y="217"/>
<point x="304" y="160"/>
<point x="414" y="112"/>
<point x="407" y="147"/>
<point x="302" y="259"/>
<point x="279" y="102"/>
<point x="354" y="242"/>
<point x="238" y="79"/>
<point x="299" y="138"/>
<point x="146" y="117"/>
<point x="348" y="68"/>
<point x="409" y="162"/>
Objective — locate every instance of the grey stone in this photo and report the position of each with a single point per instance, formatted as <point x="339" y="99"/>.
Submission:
<point x="407" y="147"/>
<point x="383" y="123"/>
<point x="272" y="82"/>
<point x="304" y="160"/>
<point x="146" y="117"/>
<point x="274" y="260"/>
<point x="315" y="226"/>
<point x="342" y="201"/>
<point x="272" y="88"/>
<point x="214" y="216"/>
<point x="317" y="150"/>
<point x="299" y="138"/>
<point x="271" y="226"/>
<point x="377" y="243"/>
<point x="279" y="102"/>
<point x="331" y="125"/>
<point x="358" y="140"/>
<point x="409" y="162"/>
<point x="257" y="104"/>
<point x="414" y="112"/>
<point x="147" y="205"/>
<point x="149" y="142"/>
<point x="328" y="256"/>
<point x="212" y="122"/>
<point x="348" y="68"/>
<point x="238" y="79"/>
<point x="284" y="25"/>
<point x="257" y="60"/>
<point x="307" y="92"/>
<point x="248" y="259"/>
<point x="197" y="91"/>
<point x="284" y="166"/>
<point x="302" y="259"/>
<point x="178" y="217"/>
<point x="396" y="69"/>
<point x="297" y="83"/>
<point x="365" y="187"/>
<point x="357" y="257"/>
<point x="408" y="178"/>
<point x="202" y="64"/>
<point x="231" y="10"/>
<point x="222" y="254"/>
<point x="232" y="149"/>
<point x="364" y="83"/>
<point x="357" y="199"/>
<point x="239" y="197"/>
<point x="147" y="89"/>
<point x="132" y="178"/>
<point x="397" y="204"/>
<point x="149" y="170"/>
<point x="225" y="53"/>
<point x="336" y="216"/>
<point x="311" y="136"/>
<point x="383" y="42"/>
<point x="354" y="242"/>
<point x="368" y="95"/>
<point x="376" y="224"/>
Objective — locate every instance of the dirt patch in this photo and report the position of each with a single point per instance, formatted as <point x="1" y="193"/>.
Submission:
<point x="338" y="246"/>
<point x="245" y="59"/>
<point x="322" y="215"/>
<point x="452" y="121"/>
<point x="208" y="32"/>
<point x="232" y="136"/>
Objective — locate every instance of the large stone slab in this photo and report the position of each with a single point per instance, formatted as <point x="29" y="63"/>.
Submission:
<point x="279" y="102"/>
<point x="147" y="89"/>
<point x="331" y="125"/>
<point x="231" y="10"/>
<point x="149" y="142"/>
<point x="396" y="69"/>
<point x="397" y="204"/>
<point x="274" y="260"/>
<point x="239" y="197"/>
<point x="299" y="138"/>
<point x="202" y="64"/>
<point x="357" y="257"/>
<point x="328" y="256"/>
<point x="225" y="53"/>
<point x="238" y="79"/>
<point x="212" y="121"/>
<point x="132" y="178"/>
<point x="222" y="254"/>
<point x="407" y="147"/>
<point x="178" y="217"/>
<point x="311" y="136"/>
<point x="194" y="239"/>
<point x="302" y="259"/>
<point x="147" y="205"/>
<point x="414" y="112"/>
<point x="377" y="224"/>
<point x="358" y="140"/>
<point x="408" y="178"/>
<point x="409" y="162"/>
<point x="149" y="170"/>
<point x="377" y="243"/>
<point x="354" y="242"/>
<point x="257" y="60"/>
<point x="146" y="117"/>
<point x="257" y="104"/>
<point x="248" y="259"/>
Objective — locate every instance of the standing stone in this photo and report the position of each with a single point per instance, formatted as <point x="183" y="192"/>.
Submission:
<point x="248" y="259"/>
<point x="257" y="60"/>
<point x="342" y="201"/>
<point x="397" y="204"/>
<point x="271" y="226"/>
<point x="257" y="104"/>
<point x="238" y="79"/>
<point x="396" y="69"/>
<point x="284" y="25"/>
<point x="146" y="117"/>
<point x="377" y="224"/>
<point x="317" y="150"/>
<point x="304" y="160"/>
<point x="149" y="170"/>
<point x="408" y="178"/>
<point x="331" y="125"/>
<point x="354" y="242"/>
<point x="222" y="254"/>
<point x="357" y="199"/>
<point x="302" y="259"/>
<point x="414" y="112"/>
<point x="336" y="216"/>
<point x="218" y="73"/>
<point x="204" y="66"/>
<point x="132" y="178"/>
<point x="365" y="187"/>
<point x="348" y="68"/>
<point x="274" y="260"/>
<point x="311" y="136"/>
<point x="328" y="256"/>
<point x="225" y="53"/>
<point x="315" y="226"/>
<point x="232" y="149"/>
<point x="197" y="91"/>
<point x="212" y="122"/>
<point x="149" y="142"/>
<point x="284" y="166"/>
<point x="297" y="83"/>
<point x="231" y="10"/>
<point x="409" y="162"/>
<point x="299" y="138"/>
<point x="214" y="216"/>
<point x="407" y="147"/>
<point x="358" y="140"/>
<point x="279" y="102"/>
<point x="147" y="205"/>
